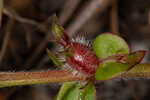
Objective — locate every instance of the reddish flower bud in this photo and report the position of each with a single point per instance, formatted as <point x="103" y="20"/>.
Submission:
<point x="77" y="54"/>
<point x="83" y="59"/>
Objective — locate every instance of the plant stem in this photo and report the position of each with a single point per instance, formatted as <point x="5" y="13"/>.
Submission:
<point x="138" y="71"/>
<point x="26" y="78"/>
<point x="8" y="79"/>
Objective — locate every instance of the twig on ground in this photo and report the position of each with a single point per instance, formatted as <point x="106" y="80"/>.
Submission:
<point x="12" y="14"/>
<point x="6" y="38"/>
<point x="42" y="61"/>
<point x="28" y="36"/>
<point x="37" y="51"/>
<point x="68" y="9"/>
<point x="86" y="13"/>
<point x="114" y="27"/>
<point x="149" y="20"/>
<point x="42" y="26"/>
<point x="42" y="45"/>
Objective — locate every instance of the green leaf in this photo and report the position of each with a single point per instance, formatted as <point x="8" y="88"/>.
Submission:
<point x="108" y="45"/>
<point x="54" y="59"/>
<point x="59" y="33"/>
<point x="73" y="91"/>
<point x="69" y="91"/>
<point x="55" y="98"/>
<point x="57" y="29"/>
<point x="110" y="69"/>
<point x="134" y="57"/>
<point x="87" y="93"/>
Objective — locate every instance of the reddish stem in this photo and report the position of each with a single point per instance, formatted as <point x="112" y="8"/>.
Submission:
<point x="25" y="78"/>
<point x="138" y="71"/>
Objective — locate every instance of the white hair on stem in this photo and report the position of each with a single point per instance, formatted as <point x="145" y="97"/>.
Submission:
<point x="81" y="39"/>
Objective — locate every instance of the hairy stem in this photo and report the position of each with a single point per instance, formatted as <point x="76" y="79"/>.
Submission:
<point x="8" y="79"/>
<point x="25" y="78"/>
<point x="138" y="71"/>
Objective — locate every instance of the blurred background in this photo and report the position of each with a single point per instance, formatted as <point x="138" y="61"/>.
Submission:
<point x="26" y="33"/>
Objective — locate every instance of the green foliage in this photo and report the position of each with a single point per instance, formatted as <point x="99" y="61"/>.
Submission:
<point x="69" y="91"/>
<point x="134" y="57"/>
<point x="53" y="58"/>
<point x="87" y="93"/>
<point x="115" y="59"/>
<point x="110" y="69"/>
<point x="57" y="29"/>
<point x="114" y="55"/>
<point x="108" y="44"/>
<point x="73" y="91"/>
<point x="59" y="33"/>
